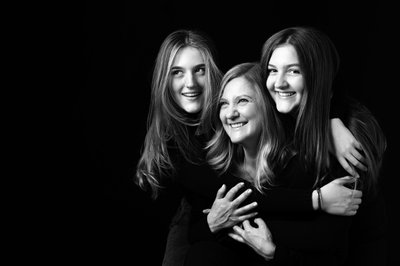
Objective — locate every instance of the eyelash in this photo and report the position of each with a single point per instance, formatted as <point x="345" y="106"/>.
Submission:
<point x="177" y="72"/>
<point x="295" y="71"/>
<point x="239" y="101"/>
<point x="201" y="69"/>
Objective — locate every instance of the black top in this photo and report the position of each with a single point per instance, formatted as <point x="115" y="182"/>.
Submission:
<point x="302" y="236"/>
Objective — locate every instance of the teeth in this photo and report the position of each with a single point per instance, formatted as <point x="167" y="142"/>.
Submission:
<point x="236" y="125"/>
<point x="286" y="94"/>
<point x="191" y="94"/>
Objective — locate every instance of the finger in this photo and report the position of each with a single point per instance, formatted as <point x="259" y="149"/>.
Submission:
<point x="358" y="156"/>
<point x="357" y="145"/>
<point x="245" y="217"/>
<point x="242" y="197"/>
<point x="246" y="225"/>
<point x="246" y="208"/>
<point x="356" y="163"/>
<point x="356" y="201"/>
<point x="357" y="194"/>
<point x="343" y="162"/>
<point x="236" y="237"/>
<point x="206" y="211"/>
<point x="221" y="192"/>
<point x="237" y="230"/>
<point x="261" y="224"/>
<point x="345" y="180"/>
<point x="232" y="192"/>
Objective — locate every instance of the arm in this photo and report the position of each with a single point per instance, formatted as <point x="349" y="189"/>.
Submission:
<point x="260" y="239"/>
<point x="346" y="148"/>
<point x="368" y="233"/>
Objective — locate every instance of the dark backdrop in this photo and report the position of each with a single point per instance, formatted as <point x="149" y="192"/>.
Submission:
<point x="119" y="43"/>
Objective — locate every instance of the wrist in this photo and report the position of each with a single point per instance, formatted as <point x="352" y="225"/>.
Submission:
<point x="270" y="253"/>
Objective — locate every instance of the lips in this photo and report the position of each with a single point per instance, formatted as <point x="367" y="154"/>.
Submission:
<point x="285" y="94"/>
<point x="237" y="125"/>
<point x="191" y="94"/>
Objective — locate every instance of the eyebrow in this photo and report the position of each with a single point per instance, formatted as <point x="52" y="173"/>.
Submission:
<point x="239" y="96"/>
<point x="196" y="66"/>
<point x="290" y="65"/>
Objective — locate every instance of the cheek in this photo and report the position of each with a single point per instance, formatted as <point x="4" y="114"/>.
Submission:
<point x="298" y="84"/>
<point x="270" y="84"/>
<point x="201" y="82"/>
<point x="176" y="85"/>
<point x="221" y="116"/>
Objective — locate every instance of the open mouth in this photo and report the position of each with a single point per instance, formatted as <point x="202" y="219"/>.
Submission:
<point x="192" y="94"/>
<point x="284" y="94"/>
<point x="237" y="125"/>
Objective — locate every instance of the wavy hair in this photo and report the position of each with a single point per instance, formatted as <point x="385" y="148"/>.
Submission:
<point x="319" y="61"/>
<point x="222" y="154"/>
<point x="166" y="121"/>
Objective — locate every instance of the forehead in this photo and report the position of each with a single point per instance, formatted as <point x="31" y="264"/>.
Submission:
<point x="188" y="56"/>
<point x="286" y="54"/>
<point x="238" y="86"/>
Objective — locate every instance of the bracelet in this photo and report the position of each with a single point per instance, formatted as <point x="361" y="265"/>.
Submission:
<point x="319" y="198"/>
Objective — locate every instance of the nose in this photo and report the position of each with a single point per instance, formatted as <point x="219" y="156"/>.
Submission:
<point x="232" y="113"/>
<point x="280" y="81"/>
<point x="190" y="80"/>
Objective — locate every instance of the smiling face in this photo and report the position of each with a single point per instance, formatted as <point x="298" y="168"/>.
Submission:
<point x="285" y="80"/>
<point x="188" y="79"/>
<point x="239" y="112"/>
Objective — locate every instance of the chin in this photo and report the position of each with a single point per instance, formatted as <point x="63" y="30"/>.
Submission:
<point x="193" y="110"/>
<point x="284" y="109"/>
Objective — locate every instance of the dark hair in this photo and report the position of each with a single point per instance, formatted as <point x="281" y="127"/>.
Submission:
<point x="319" y="62"/>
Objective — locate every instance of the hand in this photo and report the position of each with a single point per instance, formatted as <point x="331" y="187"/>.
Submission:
<point x="258" y="238"/>
<point x="225" y="213"/>
<point x="347" y="148"/>
<point x="340" y="200"/>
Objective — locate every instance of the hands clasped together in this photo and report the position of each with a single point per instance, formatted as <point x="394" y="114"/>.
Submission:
<point x="227" y="212"/>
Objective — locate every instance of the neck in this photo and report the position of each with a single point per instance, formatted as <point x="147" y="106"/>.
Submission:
<point x="250" y="161"/>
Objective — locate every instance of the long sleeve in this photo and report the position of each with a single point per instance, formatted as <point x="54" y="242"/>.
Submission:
<point x="368" y="234"/>
<point x="339" y="103"/>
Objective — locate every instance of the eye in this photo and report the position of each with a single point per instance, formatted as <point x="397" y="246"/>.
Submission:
<point x="222" y="104"/>
<point x="176" y="72"/>
<point x="294" y="71"/>
<point x="243" y="100"/>
<point x="201" y="70"/>
<point x="271" y="71"/>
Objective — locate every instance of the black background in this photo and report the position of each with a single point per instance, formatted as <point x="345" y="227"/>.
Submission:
<point x="119" y="44"/>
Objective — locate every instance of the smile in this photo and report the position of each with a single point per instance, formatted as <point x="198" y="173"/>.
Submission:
<point x="285" y="94"/>
<point x="191" y="94"/>
<point x="237" y="125"/>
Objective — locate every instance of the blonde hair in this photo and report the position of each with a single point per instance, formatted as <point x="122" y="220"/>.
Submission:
<point x="222" y="154"/>
<point x="166" y="121"/>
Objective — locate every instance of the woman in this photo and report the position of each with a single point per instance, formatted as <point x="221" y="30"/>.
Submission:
<point x="172" y="164"/>
<point x="299" y="67"/>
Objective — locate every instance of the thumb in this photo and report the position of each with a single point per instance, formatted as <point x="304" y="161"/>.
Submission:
<point x="205" y="211"/>
<point x="260" y="222"/>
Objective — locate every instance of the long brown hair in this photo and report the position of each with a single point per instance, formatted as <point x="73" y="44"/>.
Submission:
<point x="168" y="122"/>
<point x="319" y="62"/>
